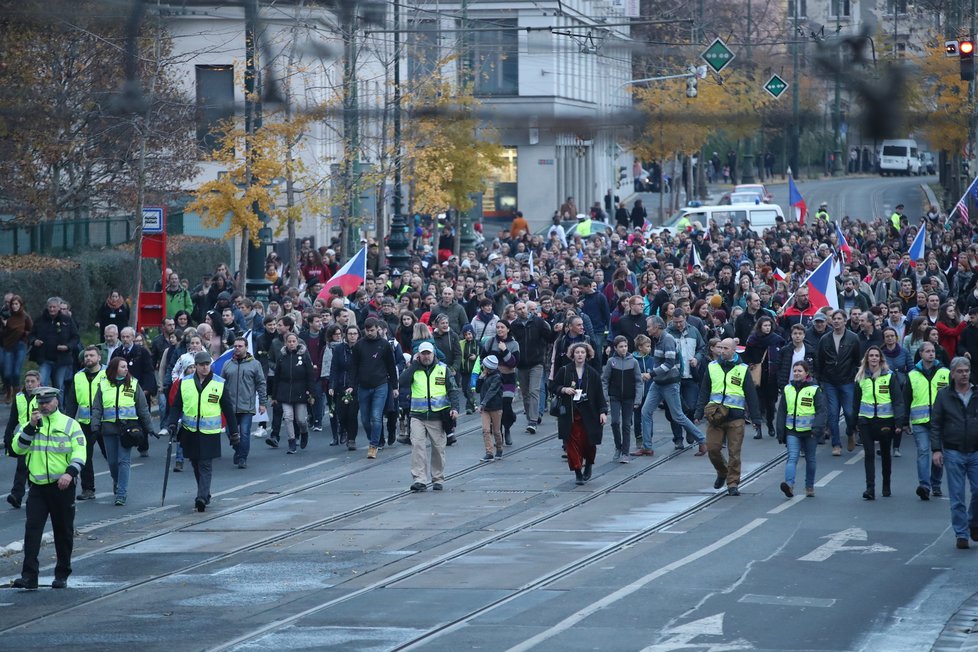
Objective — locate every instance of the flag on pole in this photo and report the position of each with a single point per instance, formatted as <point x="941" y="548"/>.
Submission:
<point x="797" y="201"/>
<point x="349" y="277"/>
<point x="693" y="260"/>
<point x="843" y="244"/>
<point x="917" y="246"/>
<point x="962" y="206"/>
<point x="532" y="269"/>
<point x="218" y="365"/>
<point x="821" y="284"/>
<point x="778" y="274"/>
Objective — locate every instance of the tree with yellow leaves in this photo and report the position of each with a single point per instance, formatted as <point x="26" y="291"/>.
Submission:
<point x="939" y="100"/>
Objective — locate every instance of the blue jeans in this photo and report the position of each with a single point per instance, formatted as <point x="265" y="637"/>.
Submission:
<point x="53" y="375"/>
<point x="670" y="394"/>
<point x="959" y="466"/>
<point x="319" y="407"/>
<point x="244" y="434"/>
<point x="839" y="396"/>
<point x="543" y="393"/>
<point x="795" y="445"/>
<point x="921" y="436"/>
<point x="372" y="404"/>
<point x="689" y="390"/>
<point x="13" y="364"/>
<point x="117" y="456"/>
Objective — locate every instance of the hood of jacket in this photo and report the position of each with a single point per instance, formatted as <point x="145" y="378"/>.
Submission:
<point x="299" y="350"/>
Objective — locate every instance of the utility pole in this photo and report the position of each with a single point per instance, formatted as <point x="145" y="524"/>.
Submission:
<point x="747" y="165"/>
<point x="351" y="129"/>
<point x="464" y="233"/>
<point x="255" y="283"/>
<point x="837" y="168"/>
<point x="795" y="94"/>
<point x="398" y="241"/>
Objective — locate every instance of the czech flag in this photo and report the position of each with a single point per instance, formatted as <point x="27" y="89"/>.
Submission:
<point x="694" y="259"/>
<point x="821" y="285"/>
<point x="797" y="201"/>
<point x="843" y="244"/>
<point x="349" y="277"/>
<point x="217" y="367"/>
<point x="917" y="246"/>
<point x="778" y="274"/>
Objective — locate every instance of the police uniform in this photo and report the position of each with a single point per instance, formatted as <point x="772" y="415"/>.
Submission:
<point x="78" y="403"/>
<point x="20" y="415"/>
<point x="54" y="450"/>
<point x="879" y="404"/>
<point x="920" y="392"/>
<point x="198" y="407"/>
<point x="584" y="228"/>
<point x="727" y="384"/>
<point x="822" y="214"/>
<point x="434" y="394"/>
<point x="801" y="417"/>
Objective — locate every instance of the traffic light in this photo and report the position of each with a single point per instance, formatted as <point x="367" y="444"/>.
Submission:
<point x="691" y="82"/>
<point x="966" y="54"/>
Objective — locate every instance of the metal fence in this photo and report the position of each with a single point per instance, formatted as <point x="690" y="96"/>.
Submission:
<point x="61" y="236"/>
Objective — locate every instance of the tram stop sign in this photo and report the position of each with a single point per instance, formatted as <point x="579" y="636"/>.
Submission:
<point x="776" y="86"/>
<point x="718" y="55"/>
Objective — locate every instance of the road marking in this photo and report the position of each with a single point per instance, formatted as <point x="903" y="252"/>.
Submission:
<point x="238" y="488"/>
<point x="629" y="589"/>
<point x="783" y="506"/>
<point x="309" y="466"/>
<point x="829" y="477"/>
<point x="131" y="466"/>
<point x="856" y="458"/>
<point x="837" y="543"/>
<point x="681" y="637"/>
<point x="787" y="600"/>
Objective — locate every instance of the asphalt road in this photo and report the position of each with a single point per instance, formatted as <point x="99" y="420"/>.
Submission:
<point x="327" y="550"/>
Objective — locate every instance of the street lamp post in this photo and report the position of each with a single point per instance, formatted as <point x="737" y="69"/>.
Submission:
<point x="398" y="241"/>
<point x="256" y="285"/>
<point x="747" y="175"/>
<point x="837" y="168"/>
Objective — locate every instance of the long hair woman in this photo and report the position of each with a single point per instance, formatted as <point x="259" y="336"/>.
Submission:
<point x="507" y="351"/>
<point x="879" y="403"/>
<point x="763" y="347"/>
<point x="582" y="410"/>
<point x="119" y="413"/>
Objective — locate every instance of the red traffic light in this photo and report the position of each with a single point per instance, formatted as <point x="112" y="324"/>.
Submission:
<point x="966" y="48"/>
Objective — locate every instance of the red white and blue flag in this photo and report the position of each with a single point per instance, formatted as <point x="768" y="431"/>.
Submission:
<point x="917" y="246"/>
<point x="797" y="201"/>
<point x="822" y="291"/>
<point x="843" y="244"/>
<point x="349" y="277"/>
<point x="694" y="259"/>
<point x="962" y="206"/>
<point x="778" y="274"/>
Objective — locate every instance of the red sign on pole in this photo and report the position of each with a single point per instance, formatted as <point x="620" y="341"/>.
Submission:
<point x="152" y="305"/>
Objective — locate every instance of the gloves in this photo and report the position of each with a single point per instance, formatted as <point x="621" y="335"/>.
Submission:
<point x="235" y="439"/>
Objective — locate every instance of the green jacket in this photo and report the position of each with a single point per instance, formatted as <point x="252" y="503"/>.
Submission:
<point x="177" y="301"/>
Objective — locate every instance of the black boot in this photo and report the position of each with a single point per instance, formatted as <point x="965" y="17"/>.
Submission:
<point x="336" y="441"/>
<point x="507" y="437"/>
<point x="587" y="471"/>
<point x="579" y="476"/>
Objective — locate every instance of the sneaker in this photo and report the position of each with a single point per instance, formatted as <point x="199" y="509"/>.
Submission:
<point x="292" y="448"/>
<point x="897" y="453"/>
<point x="59" y="583"/>
<point x="587" y="471"/>
<point x="836" y="451"/>
<point x="923" y="493"/>
<point x="259" y="432"/>
<point x="719" y="482"/>
<point x="936" y="492"/>
<point x="450" y="440"/>
<point x="200" y="505"/>
<point x="869" y="494"/>
<point x="304" y="439"/>
<point x="391" y="438"/>
<point x="351" y="445"/>
<point x="616" y="457"/>
<point x="531" y="429"/>
<point x="272" y="441"/>
<point x="144" y="453"/>
<point x="403" y="440"/>
<point x="850" y="443"/>
<point x="960" y="544"/>
<point x="88" y="494"/>
<point x="488" y="457"/>
<point x="809" y="492"/>
<point x="787" y="490"/>
<point x="499" y="453"/>
<point x="624" y="458"/>
<point x="120" y="501"/>
<point x="418" y="486"/>
<point x="371" y="452"/>
<point x="31" y="585"/>
<point x="317" y="428"/>
<point x="436" y="486"/>
<point x="680" y="446"/>
<point x="242" y="464"/>
<point x="733" y="491"/>
<point x="178" y="466"/>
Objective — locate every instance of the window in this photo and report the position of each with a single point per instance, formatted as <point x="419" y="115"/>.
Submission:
<point x="215" y="103"/>
<point x="493" y="58"/>
<point x="896" y="7"/>
<point x="844" y="6"/>
<point x="423" y="49"/>
<point x="500" y="196"/>
<point x="800" y="7"/>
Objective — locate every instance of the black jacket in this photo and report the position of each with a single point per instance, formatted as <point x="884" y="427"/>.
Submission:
<point x="533" y="336"/>
<point x="837" y="367"/>
<point x="784" y="363"/>
<point x="341" y="368"/>
<point x="141" y="367"/>
<point x="54" y="332"/>
<point x="630" y="326"/>
<point x="294" y="376"/>
<point x="954" y="425"/>
<point x="373" y="364"/>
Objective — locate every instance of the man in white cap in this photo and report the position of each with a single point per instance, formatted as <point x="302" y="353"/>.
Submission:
<point x="435" y="401"/>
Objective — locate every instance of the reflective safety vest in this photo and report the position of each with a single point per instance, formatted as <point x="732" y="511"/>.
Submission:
<point x="728" y="388"/>
<point x="924" y="392"/>
<point x="401" y="291"/>
<point x="85" y="389"/>
<point x="822" y="214"/>
<point x="683" y="224"/>
<point x="800" y="408"/>
<point x="24" y="408"/>
<point x="429" y="389"/>
<point x="875" y="401"/>
<point x="584" y="228"/>
<point x="118" y="401"/>
<point x="895" y="221"/>
<point x="58" y="444"/>
<point x="202" y="409"/>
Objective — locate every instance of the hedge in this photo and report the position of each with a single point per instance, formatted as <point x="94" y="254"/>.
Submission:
<point x="86" y="278"/>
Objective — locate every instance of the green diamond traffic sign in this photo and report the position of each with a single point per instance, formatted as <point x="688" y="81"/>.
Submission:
<point x="776" y="86"/>
<point x="718" y="55"/>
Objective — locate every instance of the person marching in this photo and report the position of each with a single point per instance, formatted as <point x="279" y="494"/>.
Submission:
<point x="245" y="381"/>
<point x="582" y="410"/>
<point x="121" y="418"/>
<point x="920" y="391"/>
<point x="78" y="404"/>
<point x="23" y="405"/>
<point x="490" y="388"/>
<point x="53" y="445"/>
<point x="290" y="386"/>
<point x="199" y="404"/>
<point x="434" y="396"/>
<point x="727" y="396"/>
<point x="801" y="412"/>
<point x="621" y="380"/>
<point x="880" y="415"/>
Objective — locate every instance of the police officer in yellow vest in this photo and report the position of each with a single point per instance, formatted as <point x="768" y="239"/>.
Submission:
<point x="583" y="226"/>
<point x="20" y="413"/>
<point x="727" y="396"/>
<point x="198" y="407"/>
<point x="78" y="404"/>
<point x="920" y="392"/>
<point x="879" y="404"/>
<point x="435" y="401"/>
<point x="896" y="219"/>
<point x="121" y="419"/>
<point x="801" y="414"/>
<point x="54" y="447"/>
<point x="823" y="212"/>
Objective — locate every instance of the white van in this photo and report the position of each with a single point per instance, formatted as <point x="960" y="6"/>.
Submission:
<point x="900" y="157"/>
<point x="760" y="216"/>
